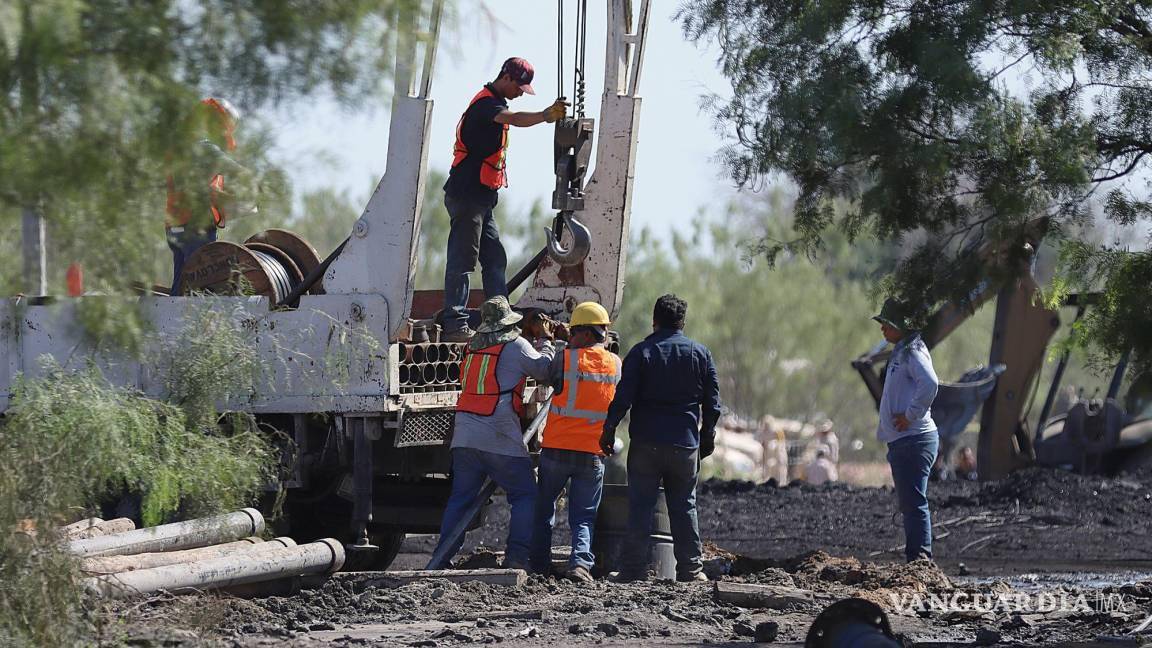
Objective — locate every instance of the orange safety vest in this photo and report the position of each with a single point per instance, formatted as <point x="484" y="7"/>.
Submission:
<point x="492" y="173"/>
<point x="178" y="211"/>
<point x="577" y="416"/>
<point x="479" y="389"/>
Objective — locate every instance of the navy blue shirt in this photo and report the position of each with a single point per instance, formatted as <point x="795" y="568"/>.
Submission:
<point x="669" y="383"/>
<point x="482" y="136"/>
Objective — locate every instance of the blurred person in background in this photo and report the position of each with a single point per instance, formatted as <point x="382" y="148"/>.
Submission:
<point x="205" y="185"/>
<point x="821" y="469"/>
<point x="826" y="436"/>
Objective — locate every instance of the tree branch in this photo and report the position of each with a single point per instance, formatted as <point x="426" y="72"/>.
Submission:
<point x="1126" y="171"/>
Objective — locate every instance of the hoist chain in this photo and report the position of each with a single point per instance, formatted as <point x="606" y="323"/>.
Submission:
<point x="578" y="83"/>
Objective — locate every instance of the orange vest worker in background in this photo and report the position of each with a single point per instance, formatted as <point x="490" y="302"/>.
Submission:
<point x="198" y="203"/>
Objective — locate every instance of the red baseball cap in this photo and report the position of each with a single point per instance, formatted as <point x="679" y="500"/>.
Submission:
<point x="521" y="72"/>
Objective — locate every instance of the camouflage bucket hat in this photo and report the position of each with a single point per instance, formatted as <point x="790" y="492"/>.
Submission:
<point x="496" y="314"/>
<point x="497" y="325"/>
<point x="894" y="314"/>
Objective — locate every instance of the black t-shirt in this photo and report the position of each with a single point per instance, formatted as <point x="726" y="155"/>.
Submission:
<point x="482" y="136"/>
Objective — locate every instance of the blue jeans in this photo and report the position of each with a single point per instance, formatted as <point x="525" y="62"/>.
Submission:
<point x="911" y="460"/>
<point x="514" y="474"/>
<point x="648" y="465"/>
<point x="586" y="473"/>
<point x="473" y="237"/>
<point x="183" y="243"/>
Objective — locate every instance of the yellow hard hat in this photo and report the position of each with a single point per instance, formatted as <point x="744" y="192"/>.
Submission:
<point x="590" y="314"/>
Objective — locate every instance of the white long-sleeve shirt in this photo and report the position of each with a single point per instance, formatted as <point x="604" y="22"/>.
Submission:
<point x="909" y="388"/>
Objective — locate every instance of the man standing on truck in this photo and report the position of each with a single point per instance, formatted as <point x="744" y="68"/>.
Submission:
<point x="584" y="378"/>
<point x="488" y="440"/>
<point x="198" y="201"/>
<point x="470" y="194"/>
<point x="906" y="424"/>
<point x="669" y="383"/>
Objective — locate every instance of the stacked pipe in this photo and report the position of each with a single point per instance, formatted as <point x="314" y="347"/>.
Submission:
<point x="430" y="367"/>
<point x="207" y="553"/>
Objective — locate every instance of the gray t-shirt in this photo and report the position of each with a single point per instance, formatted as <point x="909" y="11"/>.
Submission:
<point x="501" y="433"/>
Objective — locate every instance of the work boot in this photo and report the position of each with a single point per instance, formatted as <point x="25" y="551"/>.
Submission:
<point x="579" y="574"/>
<point x="698" y="577"/>
<point x="462" y="334"/>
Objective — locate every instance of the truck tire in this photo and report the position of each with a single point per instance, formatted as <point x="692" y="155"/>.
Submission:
<point x="389" y="543"/>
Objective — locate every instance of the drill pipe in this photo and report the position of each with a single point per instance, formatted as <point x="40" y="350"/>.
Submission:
<point x="323" y="556"/>
<point x="117" y="564"/>
<point x="70" y="531"/>
<point x="178" y="535"/>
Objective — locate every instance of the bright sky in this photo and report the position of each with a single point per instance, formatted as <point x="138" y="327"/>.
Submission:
<point x="676" y="174"/>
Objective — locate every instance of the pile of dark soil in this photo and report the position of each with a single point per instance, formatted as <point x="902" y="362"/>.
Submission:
<point x="834" y="540"/>
<point x="545" y="611"/>
<point x="1035" y="517"/>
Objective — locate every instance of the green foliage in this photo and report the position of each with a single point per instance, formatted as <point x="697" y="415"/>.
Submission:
<point x="947" y="126"/>
<point x="95" y="98"/>
<point x="1124" y="311"/>
<point x="210" y="361"/>
<point x="115" y="325"/>
<point x="71" y="441"/>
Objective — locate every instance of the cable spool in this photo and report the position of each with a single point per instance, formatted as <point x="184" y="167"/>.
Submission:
<point x="295" y="249"/>
<point x="281" y="285"/>
<point x="225" y="268"/>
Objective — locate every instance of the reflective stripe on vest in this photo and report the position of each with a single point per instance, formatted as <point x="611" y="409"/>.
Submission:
<point x="577" y="414"/>
<point x="479" y="389"/>
<point x="216" y="187"/>
<point x="492" y="172"/>
<point x="177" y="212"/>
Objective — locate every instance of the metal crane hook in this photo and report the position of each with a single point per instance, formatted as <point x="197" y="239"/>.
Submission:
<point x="581" y="242"/>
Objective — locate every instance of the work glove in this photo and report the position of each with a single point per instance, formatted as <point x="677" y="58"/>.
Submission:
<point x="608" y="441"/>
<point x="707" y="445"/>
<point x="556" y="111"/>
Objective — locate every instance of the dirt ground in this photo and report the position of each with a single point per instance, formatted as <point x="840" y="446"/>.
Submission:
<point x="1041" y="558"/>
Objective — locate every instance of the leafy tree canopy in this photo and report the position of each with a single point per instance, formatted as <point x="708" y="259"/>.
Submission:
<point x="948" y="125"/>
<point x="94" y="95"/>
